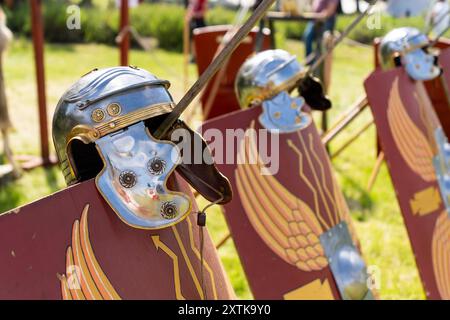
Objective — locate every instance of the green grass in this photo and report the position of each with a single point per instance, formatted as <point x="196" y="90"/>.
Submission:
<point x="377" y="216"/>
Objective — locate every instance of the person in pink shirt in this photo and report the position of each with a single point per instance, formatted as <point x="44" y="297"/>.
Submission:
<point x="196" y="11"/>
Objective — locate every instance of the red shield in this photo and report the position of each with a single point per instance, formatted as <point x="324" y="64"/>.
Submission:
<point x="277" y="220"/>
<point x="438" y="90"/>
<point x="206" y="41"/>
<point x="71" y="245"/>
<point x="405" y="123"/>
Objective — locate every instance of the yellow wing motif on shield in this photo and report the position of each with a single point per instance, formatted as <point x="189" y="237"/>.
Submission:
<point x="413" y="145"/>
<point x="84" y="279"/>
<point x="286" y="224"/>
<point x="441" y="254"/>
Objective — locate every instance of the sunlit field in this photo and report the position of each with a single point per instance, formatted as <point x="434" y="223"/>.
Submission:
<point x="376" y="214"/>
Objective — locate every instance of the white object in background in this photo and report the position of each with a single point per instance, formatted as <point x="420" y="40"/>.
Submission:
<point x="5" y="34"/>
<point x="402" y="8"/>
<point x="131" y="3"/>
<point x="440" y="12"/>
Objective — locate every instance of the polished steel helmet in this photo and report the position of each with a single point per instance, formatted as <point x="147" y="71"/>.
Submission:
<point x="267" y="78"/>
<point x="408" y="47"/>
<point x="266" y="74"/>
<point x="102" y="129"/>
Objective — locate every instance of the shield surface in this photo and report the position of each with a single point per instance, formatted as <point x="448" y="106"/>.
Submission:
<point x="71" y="245"/>
<point x="289" y="222"/>
<point x="206" y="41"/>
<point x="410" y="136"/>
<point x="438" y="89"/>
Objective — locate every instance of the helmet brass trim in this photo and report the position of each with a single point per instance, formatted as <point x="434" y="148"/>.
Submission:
<point x="271" y="90"/>
<point x="89" y="134"/>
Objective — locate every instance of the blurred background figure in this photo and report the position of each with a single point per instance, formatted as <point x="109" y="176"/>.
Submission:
<point x="439" y="16"/>
<point x="196" y="12"/>
<point x="324" y="19"/>
<point x="5" y="122"/>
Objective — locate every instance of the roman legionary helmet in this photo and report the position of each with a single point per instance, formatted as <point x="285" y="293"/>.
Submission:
<point x="408" y="47"/>
<point x="102" y="129"/>
<point x="267" y="78"/>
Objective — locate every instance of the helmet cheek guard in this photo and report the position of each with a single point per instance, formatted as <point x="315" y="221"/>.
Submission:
<point x="134" y="177"/>
<point x="102" y="129"/>
<point x="421" y="65"/>
<point x="283" y="113"/>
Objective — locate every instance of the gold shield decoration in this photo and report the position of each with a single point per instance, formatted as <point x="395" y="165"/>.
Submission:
<point x="407" y="125"/>
<point x="285" y="220"/>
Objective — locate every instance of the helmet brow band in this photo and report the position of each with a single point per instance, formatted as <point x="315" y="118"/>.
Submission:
<point x="133" y="117"/>
<point x="89" y="134"/>
<point x="271" y="91"/>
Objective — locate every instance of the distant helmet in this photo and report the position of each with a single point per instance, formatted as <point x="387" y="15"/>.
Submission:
<point x="266" y="74"/>
<point x="267" y="78"/>
<point x="408" y="47"/>
<point x="102" y="128"/>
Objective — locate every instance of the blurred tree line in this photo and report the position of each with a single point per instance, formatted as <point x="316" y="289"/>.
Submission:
<point x="162" y="21"/>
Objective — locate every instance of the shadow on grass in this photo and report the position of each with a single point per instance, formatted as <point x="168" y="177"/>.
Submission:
<point x="360" y="201"/>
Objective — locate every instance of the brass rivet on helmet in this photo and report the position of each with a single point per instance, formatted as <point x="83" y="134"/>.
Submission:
<point x="98" y="115"/>
<point x="114" y="109"/>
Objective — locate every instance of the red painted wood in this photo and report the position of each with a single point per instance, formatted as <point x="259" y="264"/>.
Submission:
<point x="268" y="274"/>
<point x="206" y="41"/>
<point x="34" y="240"/>
<point x="124" y="23"/>
<point x="38" y="44"/>
<point x="421" y="225"/>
